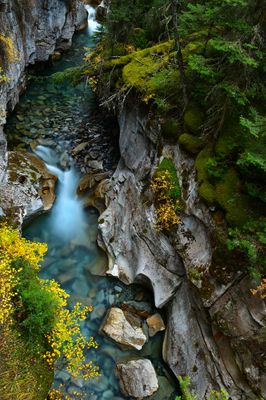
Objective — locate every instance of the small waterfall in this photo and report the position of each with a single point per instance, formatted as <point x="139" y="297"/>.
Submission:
<point x="48" y="155"/>
<point x="67" y="215"/>
<point x="94" y="26"/>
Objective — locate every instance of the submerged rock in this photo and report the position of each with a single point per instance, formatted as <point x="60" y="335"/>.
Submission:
<point x="124" y="329"/>
<point x="137" y="378"/>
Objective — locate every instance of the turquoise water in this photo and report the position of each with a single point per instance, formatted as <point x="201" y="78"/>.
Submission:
<point x="75" y="263"/>
<point x="52" y="114"/>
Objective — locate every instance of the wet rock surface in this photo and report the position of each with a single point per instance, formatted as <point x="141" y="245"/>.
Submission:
<point x="124" y="328"/>
<point x="55" y="121"/>
<point x="137" y="378"/>
<point x="202" y="340"/>
<point x="29" y="187"/>
<point x="155" y="324"/>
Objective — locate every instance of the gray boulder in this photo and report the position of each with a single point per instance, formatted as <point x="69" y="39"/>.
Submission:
<point x="137" y="378"/>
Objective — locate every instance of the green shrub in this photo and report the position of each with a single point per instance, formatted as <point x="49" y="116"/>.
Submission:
<point x="251" y="241"/>
<point x="36" y="307"/>
<point x="167" y="165"/>
<point x="24" y="374"/>
<point x="70" y="75"/>
<point x="215" y="169"/>
<point x="139" y="38"/>
<point x="188" y="395"/>
<point x="165" y="83"/>
<point x="229" y="141"/>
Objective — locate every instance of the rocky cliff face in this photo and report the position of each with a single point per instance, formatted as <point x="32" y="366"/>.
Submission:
<point x="210" y="338"/>
<point x="30" y="31"/>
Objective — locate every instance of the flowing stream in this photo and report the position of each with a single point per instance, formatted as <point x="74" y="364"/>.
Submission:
<point x="50" y="113"/>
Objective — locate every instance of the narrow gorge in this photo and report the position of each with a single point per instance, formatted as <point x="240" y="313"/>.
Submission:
<point x="122" y="151"/>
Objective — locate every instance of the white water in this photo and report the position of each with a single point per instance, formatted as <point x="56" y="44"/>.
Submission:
<point x="48" y="155"/>
<point x="93" y="25"/>
<point x="67" y="215"/>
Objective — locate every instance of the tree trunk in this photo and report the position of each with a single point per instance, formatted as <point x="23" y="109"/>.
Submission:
<point x="176" y="6"/>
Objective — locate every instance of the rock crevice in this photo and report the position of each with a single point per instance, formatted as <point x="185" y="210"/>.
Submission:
<point x="205" y="334"/>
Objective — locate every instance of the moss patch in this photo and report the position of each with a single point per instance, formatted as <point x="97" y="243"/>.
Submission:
<point x="229" y="197"/>
<point x="168" y="165"/>
<point x="193" y="120"/>
<point x="171" y="129"/>
<point x="201" y="162"/>
<point x="138" y="67"/>
<point x="207" y="192"/>
<point x="190" y="143"/>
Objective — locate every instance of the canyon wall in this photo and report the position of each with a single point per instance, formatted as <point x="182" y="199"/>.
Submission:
<point x="213" y="329"/>
<point x="30" y="31"/>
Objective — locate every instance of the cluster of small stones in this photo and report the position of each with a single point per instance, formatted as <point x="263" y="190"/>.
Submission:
<point x="96" y="150"/>
<point x="57" y="122"/>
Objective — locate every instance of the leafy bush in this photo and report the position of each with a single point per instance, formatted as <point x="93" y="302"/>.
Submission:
<point x="165" y="84"/>
<point x="188" y="395"/>
<point x="35" y="307"/>
<point x="167" y="165"/>
<point x="39" y="307"/>
<point x="251" y="241"/>
<point x="71" y="75"/>
<point x="165" y="185"/>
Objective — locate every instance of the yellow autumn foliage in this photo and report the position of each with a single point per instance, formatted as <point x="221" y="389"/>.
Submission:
<point x="260" y="290"/>
<point x="9" y="48"/>
<point x="166" y="206"/>
<point x="11" y="248"/>
<point x="65" y="339"/>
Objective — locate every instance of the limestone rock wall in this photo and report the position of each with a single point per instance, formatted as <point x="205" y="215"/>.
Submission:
<point x="30" y="31"/>
<point x="206" y="336"/>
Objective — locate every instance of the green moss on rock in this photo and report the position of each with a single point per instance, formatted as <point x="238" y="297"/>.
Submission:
<point x="139" y="66"/>
<point x="229" y="197"/>
<point x="201" y="164"/>
<point x="171" y="129"/>
<point x="207" y="192"/>
<point x="190" y="143"/>
<point x="193" y="120"/>
<point x="137" y="71"/>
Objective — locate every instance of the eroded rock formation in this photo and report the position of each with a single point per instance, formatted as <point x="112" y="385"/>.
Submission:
<point x="30" y="32"/>
<point x="209" y="323"/>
